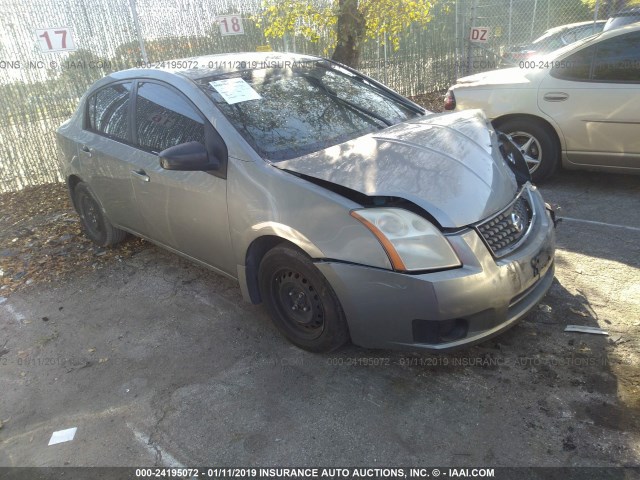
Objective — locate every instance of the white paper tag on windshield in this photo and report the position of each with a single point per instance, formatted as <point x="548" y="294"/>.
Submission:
<point x="235" y="90"/>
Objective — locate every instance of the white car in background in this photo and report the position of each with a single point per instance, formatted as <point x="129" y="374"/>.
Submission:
<point x="579" y="105"/>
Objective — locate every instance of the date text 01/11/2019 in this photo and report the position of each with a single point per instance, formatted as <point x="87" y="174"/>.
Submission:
<point x="222" y="64"/>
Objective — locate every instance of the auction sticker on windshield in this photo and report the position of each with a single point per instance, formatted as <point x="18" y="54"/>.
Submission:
<point x="235" y="90"/>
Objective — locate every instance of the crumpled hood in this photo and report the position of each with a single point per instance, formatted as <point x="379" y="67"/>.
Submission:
<point x="448" y="164"/>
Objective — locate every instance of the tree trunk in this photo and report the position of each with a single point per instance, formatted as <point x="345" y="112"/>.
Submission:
<point x="350" y="30"/>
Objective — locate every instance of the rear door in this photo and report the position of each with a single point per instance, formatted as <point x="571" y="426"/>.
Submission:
<point x="186" y="211"/>
<point x="594" y="96"/>
<point x="106" y="153"/>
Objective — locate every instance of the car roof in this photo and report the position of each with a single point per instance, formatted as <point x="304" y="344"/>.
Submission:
<point x="618" y="31"/>
<point x="208" y="66"/>
<point x="598" y="37"/>
<point x="569" y="26"/>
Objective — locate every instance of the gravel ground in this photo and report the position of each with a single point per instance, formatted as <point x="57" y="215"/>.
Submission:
<point x="159" y="362"/>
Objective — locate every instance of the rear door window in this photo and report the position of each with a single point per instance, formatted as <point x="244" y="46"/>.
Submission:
<point x="108" y="111"/>
<point x="576" y="66"/>
<point x="618" y="60"/>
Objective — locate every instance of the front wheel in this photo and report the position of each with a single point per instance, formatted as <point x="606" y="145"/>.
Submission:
<point x="302" y="304"/>
<point x="536" y="143"/>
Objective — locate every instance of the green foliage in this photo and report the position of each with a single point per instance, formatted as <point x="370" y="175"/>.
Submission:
<point x="591" y="4"/>
<point x="388" y="18"/>
<point x="297" y="17"/>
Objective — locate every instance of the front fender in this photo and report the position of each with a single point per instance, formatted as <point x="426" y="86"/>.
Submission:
<point x="287" y="233"/>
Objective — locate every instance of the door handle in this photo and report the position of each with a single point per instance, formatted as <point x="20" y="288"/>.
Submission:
<point x="86" y="150"/>
<point x="556" y="96"/>
<point x="141" y="174"/>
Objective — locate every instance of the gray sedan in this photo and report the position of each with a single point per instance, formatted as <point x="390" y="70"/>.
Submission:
<point x="348" y="210"/>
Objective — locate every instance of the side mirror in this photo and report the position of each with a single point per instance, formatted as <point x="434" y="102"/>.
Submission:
<point x="190" y="156"/>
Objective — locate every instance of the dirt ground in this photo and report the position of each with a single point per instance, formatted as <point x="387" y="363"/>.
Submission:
<point x="159" y="362"/>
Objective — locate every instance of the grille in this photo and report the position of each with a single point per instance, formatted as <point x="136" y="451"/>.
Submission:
<point x="503" y="232"/>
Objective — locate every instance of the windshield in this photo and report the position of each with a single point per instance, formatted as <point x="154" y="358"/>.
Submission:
<point x="291" y="111"/>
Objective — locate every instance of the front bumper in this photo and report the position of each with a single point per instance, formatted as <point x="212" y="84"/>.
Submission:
<point x="453" y="308"/>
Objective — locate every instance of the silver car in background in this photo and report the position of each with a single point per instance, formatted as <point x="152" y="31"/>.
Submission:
<point x="552" y="39"/>
<point x="350" y="211"/>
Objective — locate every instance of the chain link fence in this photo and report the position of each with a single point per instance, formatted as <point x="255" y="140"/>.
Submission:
<point x="41" y="90"/>
<point x="504" y="26"/>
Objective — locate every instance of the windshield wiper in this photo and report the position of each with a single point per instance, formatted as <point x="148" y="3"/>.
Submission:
<point x="316" y="82"/>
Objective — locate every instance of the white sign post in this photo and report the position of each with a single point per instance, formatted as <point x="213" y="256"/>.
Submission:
<point x="479" y="34"/>
<point x="230" y="25"/>
<point x="55" y="40"/>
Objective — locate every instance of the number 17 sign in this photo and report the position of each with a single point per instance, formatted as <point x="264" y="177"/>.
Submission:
<point x="55" y="40"/>
<point x="230" y="25"/>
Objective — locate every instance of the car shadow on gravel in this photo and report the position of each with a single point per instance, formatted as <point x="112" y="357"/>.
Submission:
<point x="569" y="391"/>
<point x="600" y="214"/>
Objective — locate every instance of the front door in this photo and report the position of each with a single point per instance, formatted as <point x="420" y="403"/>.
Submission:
<point x="186" y="211"/>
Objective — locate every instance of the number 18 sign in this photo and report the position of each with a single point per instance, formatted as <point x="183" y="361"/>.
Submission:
<point x="55" y="40"/>
<point x="230" y="25"/>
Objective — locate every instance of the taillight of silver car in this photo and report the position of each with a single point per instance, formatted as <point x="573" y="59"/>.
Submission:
<point x="449" y="101"/>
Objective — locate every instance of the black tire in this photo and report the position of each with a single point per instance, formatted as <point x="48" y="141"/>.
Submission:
<point x="302" y="304"/>
<point x="94" y="223"/>
<point x="542" y="147"/>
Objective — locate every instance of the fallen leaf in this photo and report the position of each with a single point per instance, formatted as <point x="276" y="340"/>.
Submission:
<point x="579" y="312"/>
<point x="59" y="249"/>
<point x="545" y="308"/>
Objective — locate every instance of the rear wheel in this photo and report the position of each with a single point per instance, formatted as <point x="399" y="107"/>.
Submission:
<point x="536" y="143"/>
<point x="94" y="223"/>
<point x="302" y="304"/>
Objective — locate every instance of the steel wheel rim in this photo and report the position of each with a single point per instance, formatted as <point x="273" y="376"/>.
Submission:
<point x="530" y="148"/>
<point x="91" y="216"/>
<point x="298" y="304"/>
